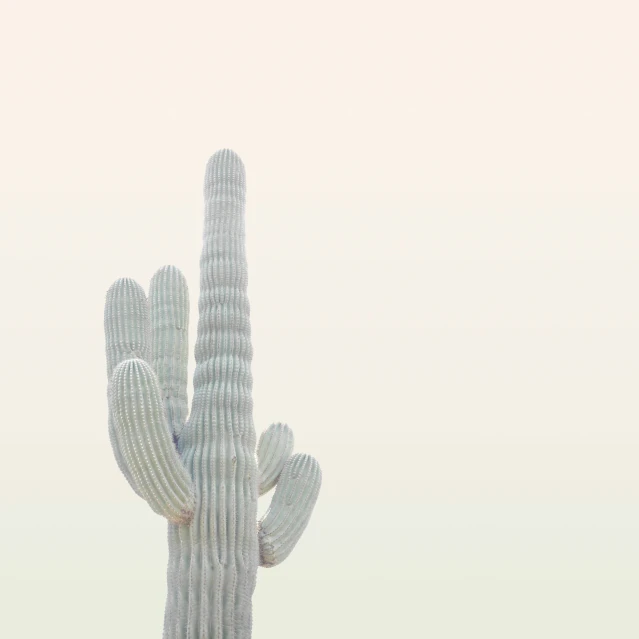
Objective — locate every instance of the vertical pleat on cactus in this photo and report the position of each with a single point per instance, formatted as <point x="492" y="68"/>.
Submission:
<point x="202" y="471"/>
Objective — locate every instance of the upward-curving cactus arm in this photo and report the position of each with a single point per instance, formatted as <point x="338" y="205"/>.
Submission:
<point x="140" y="436"/>
<point x="169" y="315"/>
<point x="273" y="450"/>
<point x="290" y="510"/>
<point x="146" y="443"/>
<point x="126" y="323"/>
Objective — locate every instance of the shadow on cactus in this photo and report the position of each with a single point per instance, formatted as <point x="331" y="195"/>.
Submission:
<point x="202" y="471"/>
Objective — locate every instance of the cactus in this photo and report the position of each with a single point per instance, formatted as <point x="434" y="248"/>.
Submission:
<point x="203" y="473"/>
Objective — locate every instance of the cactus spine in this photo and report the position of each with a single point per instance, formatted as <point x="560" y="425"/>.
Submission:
<point x="203" y="473"/>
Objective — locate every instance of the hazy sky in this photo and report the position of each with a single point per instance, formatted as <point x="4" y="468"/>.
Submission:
<point x="443" y="250"/>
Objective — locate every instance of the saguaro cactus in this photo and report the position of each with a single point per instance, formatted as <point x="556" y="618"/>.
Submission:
<point x="203" y="472"/>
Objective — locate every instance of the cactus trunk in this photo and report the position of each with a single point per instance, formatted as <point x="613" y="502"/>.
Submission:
<point x="213" y="560"/>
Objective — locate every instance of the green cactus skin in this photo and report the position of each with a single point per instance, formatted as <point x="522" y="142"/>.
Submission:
<point x="203" y="473"/>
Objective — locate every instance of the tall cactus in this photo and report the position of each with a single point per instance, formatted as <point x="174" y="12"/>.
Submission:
<point x="203" y="472"/>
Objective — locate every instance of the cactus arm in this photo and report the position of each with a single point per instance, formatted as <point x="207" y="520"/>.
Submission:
<point x="146" y="443"/>
<point x="290" y="511"/>
<point x="126" y="334"/>
<point x="169" y="315"/>
<point x="273" y="450"/>
<point x="126" y="323"/>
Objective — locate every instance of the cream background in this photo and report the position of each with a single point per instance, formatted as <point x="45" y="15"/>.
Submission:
<point x="443" y="260"/>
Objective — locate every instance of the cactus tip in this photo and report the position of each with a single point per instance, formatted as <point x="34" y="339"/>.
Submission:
<point x="225" y="165"/>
